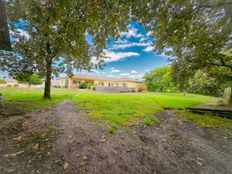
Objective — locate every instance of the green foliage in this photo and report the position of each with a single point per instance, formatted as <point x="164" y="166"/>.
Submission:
<point x="151" y="120"/>
<point x="160" y="80"/>
<point x="83" y="85"/>
<point x="93" y="87"/>
<point x="23" y="76"/>
<point x="2" y="81"/>
<point x="35" y="80"/>
<point x="195" y="34"/>
<point x="58" y="29"/>
<point x="202" y="83"/>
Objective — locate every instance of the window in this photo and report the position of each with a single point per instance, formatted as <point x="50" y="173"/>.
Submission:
<point x="100" y="83"/>
<point x="110" y="84"/>
<point x="76" y="82"/>
<point x="124" y="85"/>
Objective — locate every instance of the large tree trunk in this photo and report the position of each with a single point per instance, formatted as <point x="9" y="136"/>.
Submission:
<point x="47" y="88"/>
<point x="230" y="99"/>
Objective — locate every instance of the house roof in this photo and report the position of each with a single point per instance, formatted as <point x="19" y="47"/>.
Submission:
<point x="103" y="78"/>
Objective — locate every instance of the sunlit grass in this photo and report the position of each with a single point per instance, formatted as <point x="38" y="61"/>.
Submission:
<point x="131" y="108"/>
<point x="22" y="100"/>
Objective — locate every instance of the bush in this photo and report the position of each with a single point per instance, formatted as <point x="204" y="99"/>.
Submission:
<point x="2" y="81"/>
<point x="141" y="88"/>
<point x="93" y="87"/>
<point x="9" y="86"/>
<point x="83" y="85"/>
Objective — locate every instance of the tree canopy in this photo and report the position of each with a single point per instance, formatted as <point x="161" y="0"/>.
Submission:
<point x="196" y="34"/>
<point x="55" y="39"/>
<point x="160" y="80"/>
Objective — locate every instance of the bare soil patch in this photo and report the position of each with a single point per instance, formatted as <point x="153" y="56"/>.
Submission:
<point x="59" y="140"/>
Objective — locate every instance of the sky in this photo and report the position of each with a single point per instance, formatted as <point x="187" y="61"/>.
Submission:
<point x="131" y="56"/>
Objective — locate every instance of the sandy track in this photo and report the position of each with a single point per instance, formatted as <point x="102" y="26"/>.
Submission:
<point x="171" y="147"/>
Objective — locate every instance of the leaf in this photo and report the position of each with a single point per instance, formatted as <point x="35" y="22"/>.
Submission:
<point x="35" y="147"/>
<point x="82" y="164"/>
<point x="66" y="165"/>
<point x="14" y="154"/>
<point x="115" y="152"/>
<point x="19" y="138"/>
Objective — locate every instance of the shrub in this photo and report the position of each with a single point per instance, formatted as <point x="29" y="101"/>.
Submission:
<point x="9" y="86"/>
<point x="141" y="88"/>
<point x="2" y="81"/>
<point x="83" y="86"/>
<point x="93" y="87"/>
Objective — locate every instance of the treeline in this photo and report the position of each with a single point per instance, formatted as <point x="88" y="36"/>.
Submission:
<point x="163" y="80"/>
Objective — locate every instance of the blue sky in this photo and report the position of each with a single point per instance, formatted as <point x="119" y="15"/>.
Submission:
<point x="131" y="56"/>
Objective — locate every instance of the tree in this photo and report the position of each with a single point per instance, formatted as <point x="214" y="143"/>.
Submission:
<point x="160" y="80"/>
<point x="4" y="32"/>
<point x="197" y="34"/>
<point x="203" y="83"/>
<point x="28" y="77"/>
<point x="55" y="35"/>
<point x="2" y="81"/>
<point x="35" y="80"/>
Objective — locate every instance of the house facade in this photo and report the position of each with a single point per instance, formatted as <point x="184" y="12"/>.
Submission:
<point x="103" y="83"/>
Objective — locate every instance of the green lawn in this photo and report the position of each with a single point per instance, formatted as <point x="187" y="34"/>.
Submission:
<point x="128" y="109"/>
<point x="114" y="109"/>
<point x="21" y="100"/>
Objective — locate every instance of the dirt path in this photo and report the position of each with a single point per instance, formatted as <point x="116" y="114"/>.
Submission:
<point x="86" y="147"/>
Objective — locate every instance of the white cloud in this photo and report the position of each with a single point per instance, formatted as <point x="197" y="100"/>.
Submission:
<point x="132" y="32"/>
<point x="115" y="56"/>
<point x="149" y="33"/>
<point x="124" y="74"/>
<point x="120" y="41"/>
<point x="115" y="71"/>
<point x="128" y="45"/>
<point x="21" y="33"/>
<point x="149" y="49"/>
<point x="136" y="76"/>
<point x="133" y="72"/>
<point x="132" y="75"/>
<point x="142" y="39"/>
<point x="95" y="71"/>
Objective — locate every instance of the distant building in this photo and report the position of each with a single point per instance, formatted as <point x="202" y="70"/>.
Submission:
<point x="103" y="83"/>
<point x="10" y="82"/>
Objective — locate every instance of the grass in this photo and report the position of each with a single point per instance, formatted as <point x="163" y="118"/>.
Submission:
<point x="113" y="128"/>
<point x="128" y="109"/>
<point x="150" y="120"/>
<point x="21" y="100"/>
<point x="206" y="121"/>
<point x="114" y="109"/>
